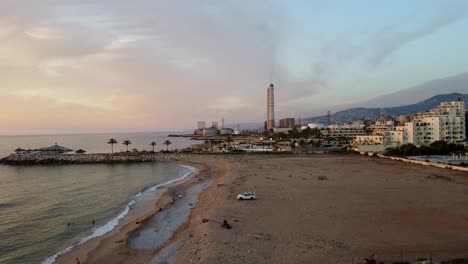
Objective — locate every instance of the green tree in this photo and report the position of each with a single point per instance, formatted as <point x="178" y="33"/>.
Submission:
<point x="153" y="144"/>
<point x="126" y="143"/>
<point x="294" y="133"/>
<point x="316" y="133"/>
<point x="409" y="150"/>
<point x="112" y="142"/>
<point x="306" y="133"/>
<point x="167" y="143"/>
<point x="440" y="147"/>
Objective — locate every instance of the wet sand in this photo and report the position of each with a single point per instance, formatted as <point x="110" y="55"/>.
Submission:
<point x="112" y="247"/>
<point x="360" y="206"/>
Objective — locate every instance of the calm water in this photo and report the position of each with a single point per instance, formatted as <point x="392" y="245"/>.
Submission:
<point x="36" y="203"/>
<point x="92" y="143"/>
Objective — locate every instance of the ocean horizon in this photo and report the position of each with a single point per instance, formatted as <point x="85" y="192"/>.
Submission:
<point x="93" y="142"/>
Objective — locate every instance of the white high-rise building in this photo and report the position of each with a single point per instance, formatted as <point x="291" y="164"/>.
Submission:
<point x="446" y="122"/>
<point x="270" y="107"/>
<point x="422" y="130"/>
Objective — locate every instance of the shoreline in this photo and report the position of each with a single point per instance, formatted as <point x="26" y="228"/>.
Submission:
<point x="140" y="208"/>
<point x="308" y="209"/>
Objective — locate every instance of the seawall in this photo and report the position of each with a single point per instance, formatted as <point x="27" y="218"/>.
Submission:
<point x="37" y="159"/>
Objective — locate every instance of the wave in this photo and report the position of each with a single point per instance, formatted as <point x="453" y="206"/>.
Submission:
<point x="109" y="226"/>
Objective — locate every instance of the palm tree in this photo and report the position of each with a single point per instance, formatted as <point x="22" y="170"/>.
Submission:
<point x="112" y="142"/>
<point x="126" y="143"/>
<point x="153" y="144"/>
<point x="167" y="143"/>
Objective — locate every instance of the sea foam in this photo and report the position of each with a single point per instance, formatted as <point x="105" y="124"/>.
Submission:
<point x="109" y="226"/>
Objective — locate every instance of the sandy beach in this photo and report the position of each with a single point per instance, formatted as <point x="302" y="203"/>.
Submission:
<point x="310" y="209"/>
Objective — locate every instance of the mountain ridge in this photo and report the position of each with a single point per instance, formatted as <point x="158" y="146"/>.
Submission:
<point x="455" y="84"/>
<point x="357" y="113"/>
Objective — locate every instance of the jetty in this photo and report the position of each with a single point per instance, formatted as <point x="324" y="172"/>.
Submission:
<point x="59" y="155"/>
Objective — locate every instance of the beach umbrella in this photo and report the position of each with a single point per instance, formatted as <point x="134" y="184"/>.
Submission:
<point x="80" y="151"/>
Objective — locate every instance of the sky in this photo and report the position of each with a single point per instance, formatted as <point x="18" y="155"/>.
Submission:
<point x="69" y="66"/>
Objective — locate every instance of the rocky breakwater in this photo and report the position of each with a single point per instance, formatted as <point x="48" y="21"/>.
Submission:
<point x="36" y="159"/>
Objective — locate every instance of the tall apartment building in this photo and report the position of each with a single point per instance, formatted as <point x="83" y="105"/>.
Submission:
<point x="423" y="130"/>
<point x="270" y="107"/>
<point x="446" y="122"/>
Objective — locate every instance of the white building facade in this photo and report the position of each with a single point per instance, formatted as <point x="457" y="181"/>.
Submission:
<point x="446" y="122"/>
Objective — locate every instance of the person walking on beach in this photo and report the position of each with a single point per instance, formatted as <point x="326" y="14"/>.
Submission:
<point x="77" y="261"/>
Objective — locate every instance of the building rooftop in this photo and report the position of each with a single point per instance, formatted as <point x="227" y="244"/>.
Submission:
<point x="54" y="148"/>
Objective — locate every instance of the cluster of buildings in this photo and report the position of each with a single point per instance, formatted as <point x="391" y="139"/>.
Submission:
<point x="213" y="130"/>
<point x="446" y="122"/>
<point x="285" y="124"/>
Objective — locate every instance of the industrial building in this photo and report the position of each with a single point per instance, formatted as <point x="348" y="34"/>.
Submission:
<point x="287" y="123"/>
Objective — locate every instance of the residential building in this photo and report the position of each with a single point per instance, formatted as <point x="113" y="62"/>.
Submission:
<point x="344" y="131"/>
<point x="369" y="140"/>
<point x="397" y="136"/>
<point x="423" y="130"/>
<point x="401" y="119"/>
<point x="381" y="126"/>
<point x="446" y="122"/>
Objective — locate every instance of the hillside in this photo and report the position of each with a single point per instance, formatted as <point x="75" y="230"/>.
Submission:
<point x="455" y="84"/>
<point x="363" y="112"/>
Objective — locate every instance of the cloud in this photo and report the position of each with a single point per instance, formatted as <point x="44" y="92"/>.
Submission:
<point x="390" y="40"/>
<point x="159" y="65"/>
<point x="155" y="64"/>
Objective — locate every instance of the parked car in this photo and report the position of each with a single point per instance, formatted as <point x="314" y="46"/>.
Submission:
<point x="247" y="196"/>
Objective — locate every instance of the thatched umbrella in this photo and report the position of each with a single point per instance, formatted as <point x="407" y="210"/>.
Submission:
<point x="80" y="151"/>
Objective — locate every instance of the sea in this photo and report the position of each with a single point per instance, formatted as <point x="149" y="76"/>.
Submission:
<point x="37" y="203"/>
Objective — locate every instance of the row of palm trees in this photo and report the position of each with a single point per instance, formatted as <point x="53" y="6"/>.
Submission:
<point x="127" y="142"/>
